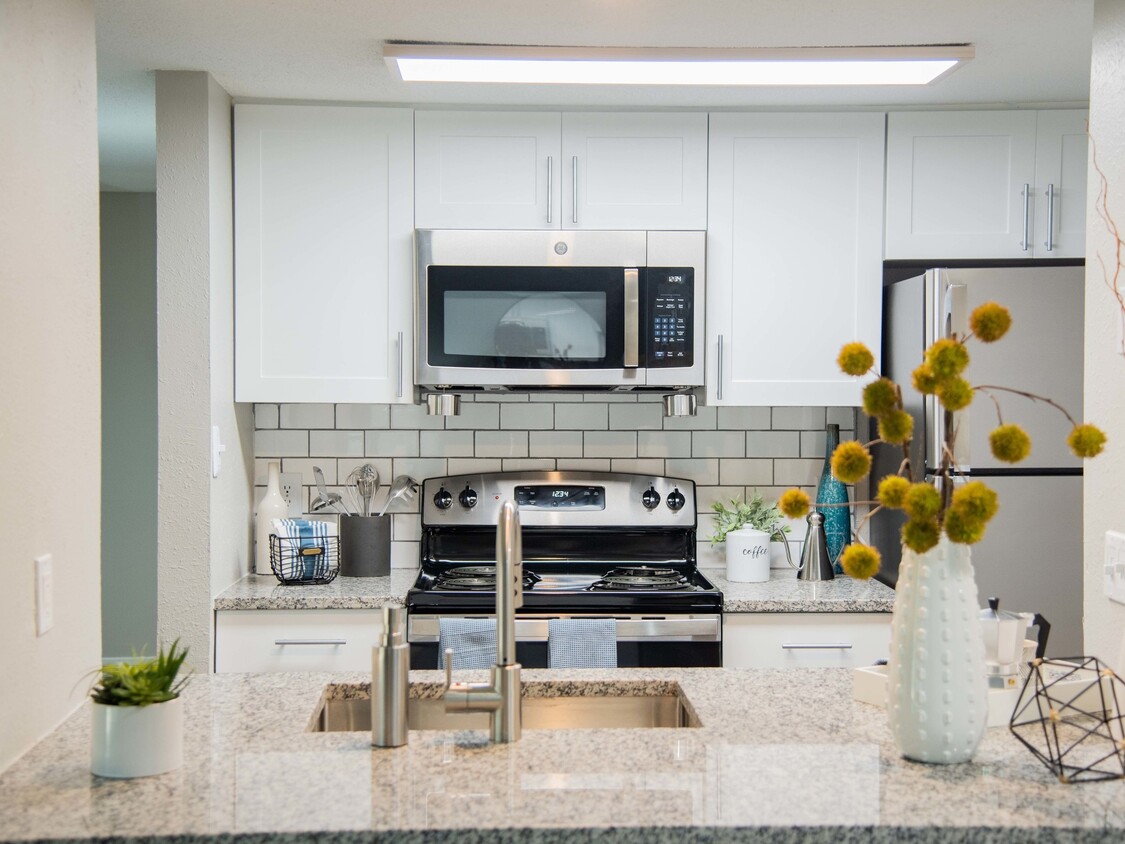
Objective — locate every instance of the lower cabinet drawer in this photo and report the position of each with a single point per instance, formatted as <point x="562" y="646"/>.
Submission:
<point x="296" y="640"/>
<point x="805" y="640"/>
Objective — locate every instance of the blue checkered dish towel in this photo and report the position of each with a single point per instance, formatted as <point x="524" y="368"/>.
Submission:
<point x="304" y="533"/>
<point x="473" y="641"/>
<point x="581" y="643"/>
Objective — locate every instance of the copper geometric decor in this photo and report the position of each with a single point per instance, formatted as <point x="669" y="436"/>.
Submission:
<point x="1069" y="715"/>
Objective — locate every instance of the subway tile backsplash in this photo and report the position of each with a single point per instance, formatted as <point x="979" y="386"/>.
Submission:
<point x="727" y="451"/>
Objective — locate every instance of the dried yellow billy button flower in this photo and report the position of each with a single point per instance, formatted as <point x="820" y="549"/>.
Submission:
<point x="922" y="502"/>
<point x="855" y="359"/>
<point x="850" y="461"/>
<point x="947" y="358"/>
<point x="892" y="491"/>
<point x="1010" y="443"/>
<point x="860" y="561"/>
<point x="955" y="394"/>
<point x="924" y="380"/>
<point x="920" y="535"/>
<point x="794" y="503"/>
<point x="990" y="321"/>
<point x="896" y="427"/>
<point x="879" y="397"/>
<point x="973" y="505"/>
<point x="1086" y="440"/>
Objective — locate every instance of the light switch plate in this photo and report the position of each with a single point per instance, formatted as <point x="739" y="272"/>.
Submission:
<point x="1114" y="569"/>
<point x="294" y="493"/>
<point x="44" y="594"/>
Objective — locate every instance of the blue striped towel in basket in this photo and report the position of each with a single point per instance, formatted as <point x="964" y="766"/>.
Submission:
<point x="303" y="534"/>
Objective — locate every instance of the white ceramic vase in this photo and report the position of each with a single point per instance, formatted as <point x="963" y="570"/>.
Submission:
<point x="937" y="694"/>
<point x="272" y="506"/>
<point x="748" y="556"/>
<point x="137" y="741"/>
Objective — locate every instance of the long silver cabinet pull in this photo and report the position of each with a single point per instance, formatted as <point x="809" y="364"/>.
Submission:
<point x="1026" y="216"/>
<point x="574" y="198"/>
<point x="550" y="180"/>
<point x="632" y="318"/>
<point x="400" y="356"/>
<point x="719" y="369"/>
<point x="802" y="646"/>
<point x="310" y="641"/>
<point x="1050" y="218"/>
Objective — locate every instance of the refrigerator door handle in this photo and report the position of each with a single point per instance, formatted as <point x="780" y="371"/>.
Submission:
<point x="935" y="411"/>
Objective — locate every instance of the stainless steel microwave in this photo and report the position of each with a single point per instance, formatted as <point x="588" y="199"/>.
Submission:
<point x="528" y="309"/>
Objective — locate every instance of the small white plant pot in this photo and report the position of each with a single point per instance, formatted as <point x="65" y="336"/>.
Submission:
<point x="748" y="556"/>
<point x="137" y="741"/>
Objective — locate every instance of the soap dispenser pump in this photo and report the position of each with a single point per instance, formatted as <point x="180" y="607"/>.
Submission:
<point x="390" y="681"/>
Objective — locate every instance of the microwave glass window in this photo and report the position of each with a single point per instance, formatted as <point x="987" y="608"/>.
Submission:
<point x="552" y="325"/>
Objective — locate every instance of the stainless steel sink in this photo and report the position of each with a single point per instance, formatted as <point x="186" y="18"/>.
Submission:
<point x="539" y="713"/>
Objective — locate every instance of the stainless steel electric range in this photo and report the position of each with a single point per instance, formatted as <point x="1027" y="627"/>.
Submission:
<point x="595" y="545"/>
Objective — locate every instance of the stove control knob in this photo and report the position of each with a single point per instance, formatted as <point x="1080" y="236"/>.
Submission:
<point x="468" y="497"/>
<point x="443" y="499"/>
<point x="650" y="498"/>
<point x="675" y="500"/>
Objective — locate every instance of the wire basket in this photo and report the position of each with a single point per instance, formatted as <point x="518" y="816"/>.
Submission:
<point x="305" y="560"/>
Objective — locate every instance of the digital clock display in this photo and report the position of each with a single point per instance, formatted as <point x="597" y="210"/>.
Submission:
<point x="552" y="497"/>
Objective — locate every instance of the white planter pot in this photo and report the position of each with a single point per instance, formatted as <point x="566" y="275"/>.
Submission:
<point x="137" y="741"/>
<point x="937" y="694"/>
<point x="748" y="556"/>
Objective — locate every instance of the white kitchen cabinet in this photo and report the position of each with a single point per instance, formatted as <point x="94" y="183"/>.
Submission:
<point x="794" y="255"/>
<point x="545" y="170"/>
<point x="296" y="640"/>
<point x="805" y="640"/>
<point x="324" y="212"/>
<point x="986" y="184"/>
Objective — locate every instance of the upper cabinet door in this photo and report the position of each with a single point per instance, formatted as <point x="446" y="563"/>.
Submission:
<point x="960" y="184"/>
<point x="486" y="170"/>
<point x="794" y="255"/>
<point x="634" y="171"/>
<point x="324" y="213"/>
<point x="1061" y="152"/>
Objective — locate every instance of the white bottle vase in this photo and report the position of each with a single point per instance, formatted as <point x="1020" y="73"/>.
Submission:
<point x="937" y="693"/>
<point x="272" y="506"/>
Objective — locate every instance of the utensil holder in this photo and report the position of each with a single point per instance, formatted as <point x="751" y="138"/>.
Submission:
<point x="305" y="560"/>
<point x="365" y="546"/>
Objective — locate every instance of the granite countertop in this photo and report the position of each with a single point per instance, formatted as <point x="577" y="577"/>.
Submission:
<point x="783" y="593"/>
<point x="780" y="756"/>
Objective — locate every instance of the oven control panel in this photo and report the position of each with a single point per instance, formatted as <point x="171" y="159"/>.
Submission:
<point x="561" y="499"/>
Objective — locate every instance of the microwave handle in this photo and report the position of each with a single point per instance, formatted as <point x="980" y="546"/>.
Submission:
<point x="632" y="318"/>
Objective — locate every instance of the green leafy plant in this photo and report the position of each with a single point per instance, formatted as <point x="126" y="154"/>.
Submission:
<point x="755" y="513"/>
<point x="142" y="681"/>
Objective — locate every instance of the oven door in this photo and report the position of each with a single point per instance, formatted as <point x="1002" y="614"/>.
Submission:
<point x="649" y="641"/>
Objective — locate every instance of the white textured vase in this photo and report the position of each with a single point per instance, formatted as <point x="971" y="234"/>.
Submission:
<point x="137" y="741"/>
<point x="937" y="694"/>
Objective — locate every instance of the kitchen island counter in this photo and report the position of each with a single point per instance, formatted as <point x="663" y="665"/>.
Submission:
<point x="780" y="756"/>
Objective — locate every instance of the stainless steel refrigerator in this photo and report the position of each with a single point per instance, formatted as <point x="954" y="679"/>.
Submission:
<point x="1031" y="554"/>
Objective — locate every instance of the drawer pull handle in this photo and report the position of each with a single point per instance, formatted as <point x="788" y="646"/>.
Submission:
<point x="310" y="641"/>
<point x="801" y="646"/>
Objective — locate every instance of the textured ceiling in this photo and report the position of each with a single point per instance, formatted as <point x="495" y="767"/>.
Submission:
<point x="1029" y="52"/>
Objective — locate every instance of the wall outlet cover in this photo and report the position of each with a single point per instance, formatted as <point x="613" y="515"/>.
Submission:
<point x="44" y="594"/>
<point x="294" y="493"/>
<point x="1115" y="566"/>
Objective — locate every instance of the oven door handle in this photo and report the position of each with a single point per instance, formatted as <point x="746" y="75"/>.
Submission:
<point x="426" y="629"/>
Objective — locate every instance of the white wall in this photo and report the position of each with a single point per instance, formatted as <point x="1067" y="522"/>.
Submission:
<point x="203" y="526"/>
<point x="49" y="362"/>
<point x="1104" y="479"/>
<point x="128" y="289"/>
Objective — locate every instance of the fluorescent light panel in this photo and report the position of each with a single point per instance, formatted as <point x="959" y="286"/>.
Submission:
<point x="658" y="66"/>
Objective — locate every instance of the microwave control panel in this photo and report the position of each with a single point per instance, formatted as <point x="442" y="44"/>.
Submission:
<point x="670" y="316"/>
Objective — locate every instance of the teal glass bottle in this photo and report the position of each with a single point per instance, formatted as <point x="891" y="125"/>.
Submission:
<point x="830" y="490"/>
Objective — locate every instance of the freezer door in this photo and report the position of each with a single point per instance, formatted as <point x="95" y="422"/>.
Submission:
<point x="1041" y="353"/>
<point x="1031" y="554"/>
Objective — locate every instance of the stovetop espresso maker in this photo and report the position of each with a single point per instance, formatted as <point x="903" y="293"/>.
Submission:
<point x="1004" y="634"/>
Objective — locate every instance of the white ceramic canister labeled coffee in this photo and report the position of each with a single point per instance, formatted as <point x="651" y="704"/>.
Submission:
<point x="748" y="556"/>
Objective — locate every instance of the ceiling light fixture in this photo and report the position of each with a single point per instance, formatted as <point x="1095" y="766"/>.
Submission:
<point x="915" y="65"/>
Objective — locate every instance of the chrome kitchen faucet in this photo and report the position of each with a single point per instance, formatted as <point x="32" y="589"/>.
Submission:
<point x="500" y="697"/>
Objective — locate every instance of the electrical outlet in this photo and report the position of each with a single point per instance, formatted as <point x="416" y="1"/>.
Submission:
<point x="44" y="594"/>
<point x="294" y="493"/>
<point x="1115" y="566"/>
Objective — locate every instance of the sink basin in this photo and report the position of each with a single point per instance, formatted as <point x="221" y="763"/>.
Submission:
<point x="624" y="709"/>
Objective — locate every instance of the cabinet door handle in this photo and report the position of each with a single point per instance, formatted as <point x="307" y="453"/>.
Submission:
<point x="827" y="646"/>
<point x="550" y="179"/>
<point x="574" y="197"/>
<point x="400" y="356"/>
<point x="719" y="370"/>
<point x="1026" y="215"/>
<point x="1050" y="218"/>
<point x="310" y="641"/>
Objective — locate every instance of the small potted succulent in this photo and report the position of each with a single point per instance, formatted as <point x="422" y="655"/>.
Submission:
<point x="138" y="727"/>
<point x="749" y="528"/>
